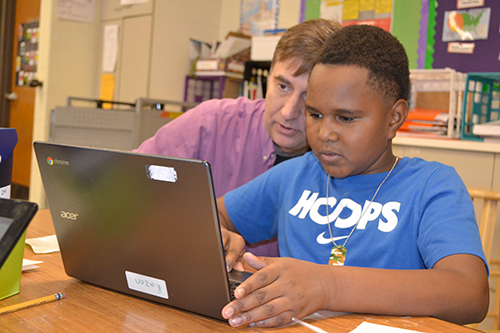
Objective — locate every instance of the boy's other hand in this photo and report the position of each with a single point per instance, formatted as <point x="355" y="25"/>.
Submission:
<point x="281" y="289"/>
<point x="234" y="245"/>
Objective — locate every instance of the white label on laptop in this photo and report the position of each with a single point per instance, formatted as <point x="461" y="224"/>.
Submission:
<point x="161" y="173"/>
<point x="146" y="284"/>
<point x="5" y="192"/>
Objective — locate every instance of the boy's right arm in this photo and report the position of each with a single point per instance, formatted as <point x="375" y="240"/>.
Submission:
<point x="234" y="244"/>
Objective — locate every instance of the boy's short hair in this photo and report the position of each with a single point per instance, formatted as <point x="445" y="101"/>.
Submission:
<point x="372" y="48"/>
<point x="302" y="43"/>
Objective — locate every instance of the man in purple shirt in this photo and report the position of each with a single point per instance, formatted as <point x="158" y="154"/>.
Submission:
<point x="241" y="138"/>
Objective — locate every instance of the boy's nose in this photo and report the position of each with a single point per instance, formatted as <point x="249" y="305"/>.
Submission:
<point x="327" y="132"/>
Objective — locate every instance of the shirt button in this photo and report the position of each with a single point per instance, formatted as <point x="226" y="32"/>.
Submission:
<point x="265" y="158"/>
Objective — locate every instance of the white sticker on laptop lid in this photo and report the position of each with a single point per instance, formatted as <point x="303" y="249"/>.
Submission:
<point x="5" y="192"/>
<point x="161" y="173"/>
<point x="146" y="284"/>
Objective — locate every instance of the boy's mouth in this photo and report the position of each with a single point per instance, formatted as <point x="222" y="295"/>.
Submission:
<point x="329" y="156"/>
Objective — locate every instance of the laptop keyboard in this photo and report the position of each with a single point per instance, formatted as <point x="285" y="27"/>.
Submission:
<point x="235" y="279"/>
<point x="232" y="288"/>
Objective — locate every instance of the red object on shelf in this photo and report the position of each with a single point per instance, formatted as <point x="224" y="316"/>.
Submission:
<point x="425" y="114"/>
<point x="421" y="120"/>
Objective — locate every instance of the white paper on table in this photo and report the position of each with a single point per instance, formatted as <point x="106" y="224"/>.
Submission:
<point x="42" y="245"/>
<point x="366" y="327"/>
<point x="30" y="264"/>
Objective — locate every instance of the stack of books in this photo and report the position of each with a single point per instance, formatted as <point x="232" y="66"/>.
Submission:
<point x="426" y="122"/>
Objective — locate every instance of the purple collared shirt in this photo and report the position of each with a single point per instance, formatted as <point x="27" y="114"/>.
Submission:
<point x="230" y="134"/>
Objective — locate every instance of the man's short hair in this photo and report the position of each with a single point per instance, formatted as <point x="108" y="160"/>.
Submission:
<point x="302" y="42"/>
<point x="372" y="48"/>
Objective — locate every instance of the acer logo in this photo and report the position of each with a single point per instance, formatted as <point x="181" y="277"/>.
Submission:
<point x="68" y="215"/>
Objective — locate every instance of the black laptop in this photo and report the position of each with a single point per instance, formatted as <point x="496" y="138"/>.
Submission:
<point x="139" y="224"/>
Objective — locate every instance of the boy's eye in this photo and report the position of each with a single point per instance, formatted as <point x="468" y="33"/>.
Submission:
<point x="346" y="119"/>
<point x="315" y="115"/>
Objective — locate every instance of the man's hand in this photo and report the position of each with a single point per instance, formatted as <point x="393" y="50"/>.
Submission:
<point x="282" y="288"/>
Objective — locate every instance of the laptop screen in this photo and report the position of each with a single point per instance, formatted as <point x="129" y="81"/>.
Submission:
<point x="5" y="222"/>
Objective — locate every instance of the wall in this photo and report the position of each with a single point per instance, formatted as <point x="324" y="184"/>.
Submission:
<point x="174" y="24"/>
<point x="66" y="66"/>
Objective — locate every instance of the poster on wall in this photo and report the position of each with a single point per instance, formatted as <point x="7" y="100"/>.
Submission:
<point x="76" y="10"/>
<point x="110" y="48"/>
<point x="462" y="25"/>
<point x="373" y="12"/>
<point x="27" y="53"/>
<point x="463" y="38"/>
<point x="258" y="16"/>
<point x="331" y="10"/>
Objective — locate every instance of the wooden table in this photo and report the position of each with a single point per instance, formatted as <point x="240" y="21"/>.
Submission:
<point x="87" y="308"/>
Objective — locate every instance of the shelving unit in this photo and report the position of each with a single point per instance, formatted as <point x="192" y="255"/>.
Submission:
<point x="428" y="86"/>
<point x="204" y="87"/>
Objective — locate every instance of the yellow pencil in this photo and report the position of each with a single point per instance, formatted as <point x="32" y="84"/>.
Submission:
<point x="30" y="304"/>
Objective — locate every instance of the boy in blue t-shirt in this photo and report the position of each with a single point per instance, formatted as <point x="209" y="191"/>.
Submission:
<point x="359" y="229"/>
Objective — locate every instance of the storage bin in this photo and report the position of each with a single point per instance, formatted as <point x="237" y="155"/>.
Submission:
<point x="10" y="272"/>
<point x="481" y="102"/>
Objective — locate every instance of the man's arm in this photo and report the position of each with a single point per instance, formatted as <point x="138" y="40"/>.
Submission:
<point x="455" y="289"/>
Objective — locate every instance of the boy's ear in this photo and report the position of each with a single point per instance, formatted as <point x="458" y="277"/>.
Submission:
<point x="399" y="112"/>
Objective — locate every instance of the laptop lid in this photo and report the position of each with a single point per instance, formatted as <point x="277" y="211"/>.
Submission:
<point x="15" y="216"/>
<point x="140" y="224"/>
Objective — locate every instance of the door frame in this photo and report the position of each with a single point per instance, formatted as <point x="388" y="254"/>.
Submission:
<point x="7" y="29"/>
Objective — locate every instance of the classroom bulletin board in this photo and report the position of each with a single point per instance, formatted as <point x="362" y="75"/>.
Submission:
<point x="459" y="34"/>
<point x="481" y="23"/>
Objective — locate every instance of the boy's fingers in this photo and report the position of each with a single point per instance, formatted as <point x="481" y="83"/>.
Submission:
<point x="239" y="266"/>
<point x="255" y="262"/>
<point x="259" y="279"/>
<point x="232" y="257"/>
<point x="243" y="304"/>
<point x="234" y="246"/>
<point x="225" y="238"/>
<point x="272" y="313"/>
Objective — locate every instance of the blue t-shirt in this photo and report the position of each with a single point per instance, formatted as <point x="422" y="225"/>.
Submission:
<point x="421" y="214"/>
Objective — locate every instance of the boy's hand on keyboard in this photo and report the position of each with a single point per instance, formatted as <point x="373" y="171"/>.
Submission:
<point x="282" y="288"/>
<point x="234" y="245"/>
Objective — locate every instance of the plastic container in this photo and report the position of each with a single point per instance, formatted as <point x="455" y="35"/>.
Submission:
<point x="481" y="102"/>
<point x="10" y="272"/>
